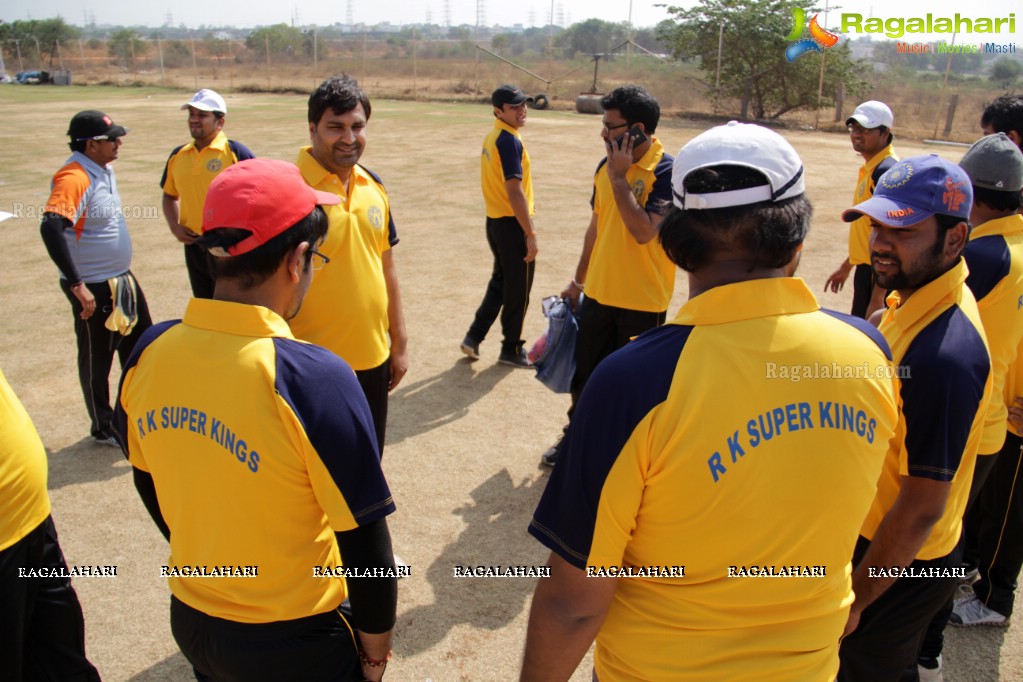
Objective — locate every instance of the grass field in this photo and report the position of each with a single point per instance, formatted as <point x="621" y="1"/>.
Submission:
<point x="464" y="438"/>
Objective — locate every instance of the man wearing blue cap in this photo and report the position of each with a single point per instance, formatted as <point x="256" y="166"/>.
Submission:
<point x="909" y="552"/>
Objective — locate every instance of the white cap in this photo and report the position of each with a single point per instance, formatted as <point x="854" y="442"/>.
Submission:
<point x="739" y="144"/>
<point x="872" y="114"/>
<point x="207" y="100"/>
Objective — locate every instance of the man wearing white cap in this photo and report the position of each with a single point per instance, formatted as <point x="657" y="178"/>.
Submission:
<point x="187" y="175"/>
<point x="871" y="136"/>
<point x="663" y="517"/>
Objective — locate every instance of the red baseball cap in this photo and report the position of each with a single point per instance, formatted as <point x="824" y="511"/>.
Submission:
<point x="263" y="196"/>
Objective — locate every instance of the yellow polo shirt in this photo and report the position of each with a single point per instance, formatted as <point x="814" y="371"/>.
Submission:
<point x="24" y="503"/>
<point x="859" y="229"/>
<point x="261" y="447"/>
<point x="504" y="158"/>
<point x="622" y="272"/>
<point x="748" y="432"/>
<point x="938" y="342"/>
<point x="189" y="172"/>
<point x="346" y="307"/>
<point x="994" y="256"/>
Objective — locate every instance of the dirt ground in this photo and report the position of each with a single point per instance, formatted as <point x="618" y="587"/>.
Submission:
<point x="464" y="438"/>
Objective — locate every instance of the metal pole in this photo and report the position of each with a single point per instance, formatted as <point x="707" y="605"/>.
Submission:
<point x="81" y="52"/>
<point x="195" y="69"/>
<point x="159" y="49"/>
<point x="944" y="86"/>
<point x="315" y="56"/>
<point x="820" y="83"/>
<point x="415" y="66"/>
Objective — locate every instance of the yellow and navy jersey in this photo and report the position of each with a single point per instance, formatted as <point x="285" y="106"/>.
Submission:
<point x="859" y="229"/>
<point x="994" y="256"/>
<point x="86" y="194"/>
<point x="779" y="473"/>
<point x="622" y="272"/>
<point x="346" y="307"/>
<point x="24" y="503"/>
<point x="945" y="383"/>
<point x="189" y="171"/>
<point x="504" y="158"/>
<point x="260" y="447"/>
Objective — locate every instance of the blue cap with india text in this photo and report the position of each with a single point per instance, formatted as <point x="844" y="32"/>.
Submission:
<point x="915" y="189"/>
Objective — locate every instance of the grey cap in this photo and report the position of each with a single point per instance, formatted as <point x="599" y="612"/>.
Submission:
<point x="994" y="162"/>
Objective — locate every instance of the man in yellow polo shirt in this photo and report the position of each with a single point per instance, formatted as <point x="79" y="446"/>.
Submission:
<point x="627" y="278"/>
<point x="508" y="194"/>
<point x="354" y="309"/>
<point x="43" y="630"/>
<point x="909" y="552"/>
<point x="714" y="544"/>
<point x="274" y="437"/>
<point x="187" y="176"/>
<point x="870" y="131"/>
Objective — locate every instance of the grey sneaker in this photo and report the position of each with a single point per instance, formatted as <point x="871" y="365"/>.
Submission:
<point x="517" y="359"/>
<point x="928" y="674"/>
<point x="471" y="348"/>
<point x="963" y="592"/>
<point x="971" y="612"/>
<point x="109" y="441"/>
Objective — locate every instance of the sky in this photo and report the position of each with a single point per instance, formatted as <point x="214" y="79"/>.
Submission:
<point x="194" y="13"/>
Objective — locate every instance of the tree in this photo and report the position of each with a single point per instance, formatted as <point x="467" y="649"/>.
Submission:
<point x="48" y="34"/>
<point x="593" y="36"/>
<point x="1005" y="71"/>
<point x="280" y="39"/>
<point x="753" y="63"/>
<point x="127" y="45"/>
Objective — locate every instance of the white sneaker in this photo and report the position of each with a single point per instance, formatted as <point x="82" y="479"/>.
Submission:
<point x="971" y="612"/>
<point x="930" y="674"/>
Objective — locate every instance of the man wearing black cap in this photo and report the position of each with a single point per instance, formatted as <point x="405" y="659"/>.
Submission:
<point x="508" y="193"/>
<point x="85" y="234"/>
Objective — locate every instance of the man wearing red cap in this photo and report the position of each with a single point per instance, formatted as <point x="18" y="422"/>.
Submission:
<point x="85" y="234"/>
<point x="187" y="175"/>
<point x="275" y="437"/>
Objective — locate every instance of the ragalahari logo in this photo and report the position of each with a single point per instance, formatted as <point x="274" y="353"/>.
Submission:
<point x="820" y="39"/>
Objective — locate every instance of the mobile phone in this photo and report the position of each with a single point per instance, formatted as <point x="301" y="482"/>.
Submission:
<point x="639" y="137"/>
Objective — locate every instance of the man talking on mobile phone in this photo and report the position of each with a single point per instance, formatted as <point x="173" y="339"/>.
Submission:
<point x="623" y="269"/>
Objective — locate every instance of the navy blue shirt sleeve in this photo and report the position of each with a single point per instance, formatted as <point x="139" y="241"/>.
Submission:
<point x="120" y="421"/>
<point x="660" y="194"/>
<point x="948" y="367"/>
<point x="328" y="401"/>
<point x="988" y="260"/>
<point x="638" y="377"/>
<point x="240" y="151"/>
<point x="509" y="148"/>
<point x="163" y="178"/>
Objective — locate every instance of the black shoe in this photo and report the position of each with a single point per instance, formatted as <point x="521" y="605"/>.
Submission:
<point x="471" y="348"/>
<point x="106" y="439"/>
<point x="516" y="359"/>
<point x="550" y="457"/>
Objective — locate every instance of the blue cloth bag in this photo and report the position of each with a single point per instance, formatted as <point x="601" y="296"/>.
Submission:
<point x="555" y="367"/>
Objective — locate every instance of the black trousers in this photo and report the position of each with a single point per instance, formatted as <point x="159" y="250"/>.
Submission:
<point x="509" y="286"/>
<point x="374" y="384"/>
<point x="1000" y="534"/>
<point x="885" y="645"/>
<point x="603" y="329"/>
<point x="96" y="348"/>
<point x="318" y="648"/>
<point x="41" y="619"/>
<point x="934" y="638"/>
<point x="199" y="275"/>
<point x="863" y="289"/>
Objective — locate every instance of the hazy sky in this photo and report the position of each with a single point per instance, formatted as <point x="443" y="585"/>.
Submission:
<point x="194" y="13"/>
